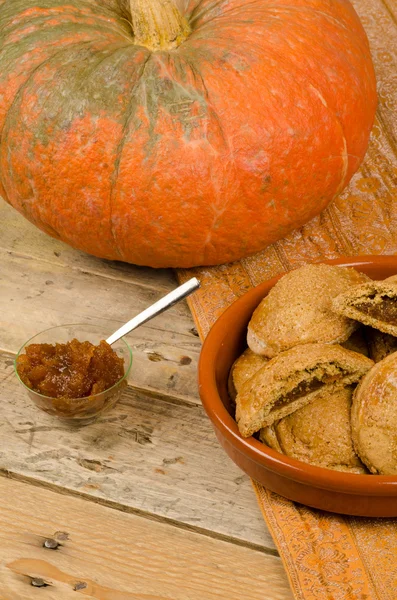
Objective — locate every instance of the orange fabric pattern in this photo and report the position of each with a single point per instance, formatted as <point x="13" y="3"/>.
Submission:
<point x="331" y="557"/>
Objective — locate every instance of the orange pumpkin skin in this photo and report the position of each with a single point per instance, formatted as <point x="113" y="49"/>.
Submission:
<point x="195" y="156"/>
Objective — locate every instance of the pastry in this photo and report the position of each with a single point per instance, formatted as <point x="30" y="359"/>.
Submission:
<point x="380" y="344"/>
<point x="292" y="379"/>
<point x="268" y="434"/>
<point x="297" y="310"/>
<point x="318" y="433"/>
<point x="374" y="417"/>
<point x="242" y="369"/>
<point x="373" y="303"/>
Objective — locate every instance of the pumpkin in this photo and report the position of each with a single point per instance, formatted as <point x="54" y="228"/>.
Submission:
<point x="175" y="135"/>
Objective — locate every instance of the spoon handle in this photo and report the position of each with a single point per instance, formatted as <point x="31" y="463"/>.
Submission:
<point x="155" y="309"/>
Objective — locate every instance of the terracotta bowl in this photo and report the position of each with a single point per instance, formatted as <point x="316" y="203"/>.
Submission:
<point x="346" y="493"/>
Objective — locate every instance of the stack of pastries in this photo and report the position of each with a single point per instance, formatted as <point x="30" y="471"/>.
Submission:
<point x="318" y="381"/>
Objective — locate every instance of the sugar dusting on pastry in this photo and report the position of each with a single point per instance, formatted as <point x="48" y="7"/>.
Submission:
<point x="293" y="379"/>
<point x="318" y="433"/>
<point x="313" y="344"/>
<point x="374" y="417"/>
<point x="298" y="310"/>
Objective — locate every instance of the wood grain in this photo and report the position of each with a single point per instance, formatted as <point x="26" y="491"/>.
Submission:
<point x="155" y="453"/>
<point x="22" y="238"/>
<point x="35" y="295"/>
<point x="147" y="455"/>
<point x="109" y="555"/>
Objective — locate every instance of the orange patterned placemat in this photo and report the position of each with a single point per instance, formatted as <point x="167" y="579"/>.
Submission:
<point x="331" y="557"/>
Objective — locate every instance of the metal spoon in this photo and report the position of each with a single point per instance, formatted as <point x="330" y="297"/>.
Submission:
<point x="155" y="309"/>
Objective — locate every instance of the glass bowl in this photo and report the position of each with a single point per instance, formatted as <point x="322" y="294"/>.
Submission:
<point x="79" y="410"/>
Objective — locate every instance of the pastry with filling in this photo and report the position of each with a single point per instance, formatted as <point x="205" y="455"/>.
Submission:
<point x="318" y="433"/>
<point x="243" y="369"/>
<point x="298" y="310"/>
<point x="373" y="303"/>
<point x="295" y="378"/>
<point x="374" y="417"/>
<point x="380" y="344"/>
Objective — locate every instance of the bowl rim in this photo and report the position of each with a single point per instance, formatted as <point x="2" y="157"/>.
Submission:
<point x="46" y="398"/>
<point x="329" y="479"/>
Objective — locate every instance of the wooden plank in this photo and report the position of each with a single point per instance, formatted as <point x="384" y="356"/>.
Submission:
<point x="145" y="455"/>
<point x="21" y="237"/>
<point x="161" y="358"/>
<point x="109" y="555"/>
<point x="35" y="295"/>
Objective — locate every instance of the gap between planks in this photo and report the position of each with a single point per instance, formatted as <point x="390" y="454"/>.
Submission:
<point x="28" y="248"/>
<point x="146" y="455"/>
<point x="109" y="555"/>
<point x="137" y="512"/>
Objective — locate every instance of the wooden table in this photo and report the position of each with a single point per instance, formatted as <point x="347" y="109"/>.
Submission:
<point x="144" y="504"/>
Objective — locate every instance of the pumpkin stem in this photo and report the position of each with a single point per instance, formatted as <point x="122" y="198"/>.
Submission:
<point x="158" y="24"/>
